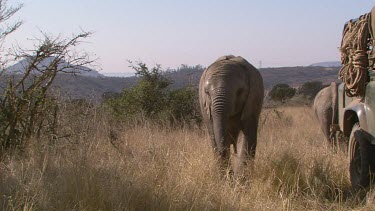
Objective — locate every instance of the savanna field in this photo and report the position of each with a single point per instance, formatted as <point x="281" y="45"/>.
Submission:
<point x="103" y="165"/>
<point x="72" y="138"/>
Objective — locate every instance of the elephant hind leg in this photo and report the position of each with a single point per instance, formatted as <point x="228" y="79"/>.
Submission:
<point x="250" y="130"/>
<point x="232" y="137"/>
<point x="326" y="122"/>
<point x="250" y="146"/>
<point x="247" y="148"/>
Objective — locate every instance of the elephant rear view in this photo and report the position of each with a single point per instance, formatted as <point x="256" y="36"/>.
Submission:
<point x="326" y="110"/>
<point x="231" y="97"/>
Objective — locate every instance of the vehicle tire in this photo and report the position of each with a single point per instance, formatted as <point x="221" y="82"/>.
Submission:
<point x="360" y="159"/>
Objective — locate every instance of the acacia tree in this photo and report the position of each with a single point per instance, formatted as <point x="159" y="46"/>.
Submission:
<point x="26" y="109"/>
<point x="7" y="12"/>
<point x="151" y="89"/>
<point x="147" y="97"/>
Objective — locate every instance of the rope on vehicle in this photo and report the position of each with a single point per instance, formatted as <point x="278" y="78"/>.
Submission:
<point x="354" y="57"/>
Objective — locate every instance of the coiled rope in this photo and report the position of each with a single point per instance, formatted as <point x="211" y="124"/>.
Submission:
<point x="354" y="57"/>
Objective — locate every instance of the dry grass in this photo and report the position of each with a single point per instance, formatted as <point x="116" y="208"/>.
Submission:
<point x="150" y="167"/>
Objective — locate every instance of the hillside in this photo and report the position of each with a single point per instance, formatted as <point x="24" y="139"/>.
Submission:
<point x="91" y="87"/>
<point x="20" y="67"/>
<point x="86" y="86"/>
<point x="294" y="76"/>
<point x="327" y="64"/>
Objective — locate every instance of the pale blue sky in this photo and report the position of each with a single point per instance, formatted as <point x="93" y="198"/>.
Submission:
<point x="174" y="32"/>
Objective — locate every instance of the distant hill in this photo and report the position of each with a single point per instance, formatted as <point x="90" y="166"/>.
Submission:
<point x="21" y="66"/>
<point x="119" y="74"/>
<point x="91" y="87"/>
<point x="294" y="76"/>
<point x="95" y="84"/>
<point x="327" y="64"/>
<point x="83" y="87"/>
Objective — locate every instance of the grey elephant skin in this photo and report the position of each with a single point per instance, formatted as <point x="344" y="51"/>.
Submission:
<point x="231" y="96"/>
<point x="326" y="110"/>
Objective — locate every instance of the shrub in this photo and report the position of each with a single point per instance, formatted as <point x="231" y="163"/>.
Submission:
<point x="151" y="98"/>
<point x="310" y="89"/>
<point x="282" y="92"/>
<point x="183" y="105"/>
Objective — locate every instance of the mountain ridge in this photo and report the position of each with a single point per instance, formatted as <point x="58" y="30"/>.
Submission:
<point x="20" y="67"/>
<point x="95" y="85"/>
<point x="327" y="64"/>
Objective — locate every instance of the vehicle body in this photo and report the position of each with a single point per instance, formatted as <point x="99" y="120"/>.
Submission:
<point x="356" y="117"/>
<point x="357" y="124"/>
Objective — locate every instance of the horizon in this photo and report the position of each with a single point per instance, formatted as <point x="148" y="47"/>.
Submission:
<point x="191" y="65"/>
<point x="172" y="33"/>
<point x="130" y="74"/>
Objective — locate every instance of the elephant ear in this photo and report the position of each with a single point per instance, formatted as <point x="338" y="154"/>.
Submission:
<point x="204" y="101"/>
<point x="253" y="103"/>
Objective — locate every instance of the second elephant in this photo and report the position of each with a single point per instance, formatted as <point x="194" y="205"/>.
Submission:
<point x="326" y="110"/>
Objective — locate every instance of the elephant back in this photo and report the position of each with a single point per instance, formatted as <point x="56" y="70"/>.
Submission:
<point x="235" y="59"/>
<point x="253" y="75"/>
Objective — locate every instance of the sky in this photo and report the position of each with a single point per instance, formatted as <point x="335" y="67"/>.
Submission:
<point x="173" y="32"/>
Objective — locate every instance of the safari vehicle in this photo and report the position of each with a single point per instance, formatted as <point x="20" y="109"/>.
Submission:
<point x="356" y="97"/>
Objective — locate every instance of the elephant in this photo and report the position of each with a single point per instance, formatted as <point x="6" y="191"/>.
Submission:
<point x="326" y="110"/>
<point x="231" y="96"/>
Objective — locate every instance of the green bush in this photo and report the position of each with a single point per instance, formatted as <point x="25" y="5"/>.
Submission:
<point x="282" y="92"/>
<point x="183" y="104"/>
<point x="148" y="97"/>
<point x="310" y="89"/>
<point x="152" y="99"/>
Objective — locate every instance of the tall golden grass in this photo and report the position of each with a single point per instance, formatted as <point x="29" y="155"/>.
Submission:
<point x="153" y="167"/>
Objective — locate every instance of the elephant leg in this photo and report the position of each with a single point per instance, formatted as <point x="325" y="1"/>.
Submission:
<point x="326" y="124"/>
<point x="232" y="137"/>
<point x="250" y="129"/>
<point x="224" y="154"/>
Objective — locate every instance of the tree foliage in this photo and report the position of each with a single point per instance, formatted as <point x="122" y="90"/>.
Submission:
<point x="310" y="89"/>
<point x="151" y="98"/>
<point x="282" y="92"/>
<point x="183" y="105"/>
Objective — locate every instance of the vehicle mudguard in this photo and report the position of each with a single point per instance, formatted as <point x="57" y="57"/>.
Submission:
<point x="356" y="112"/>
